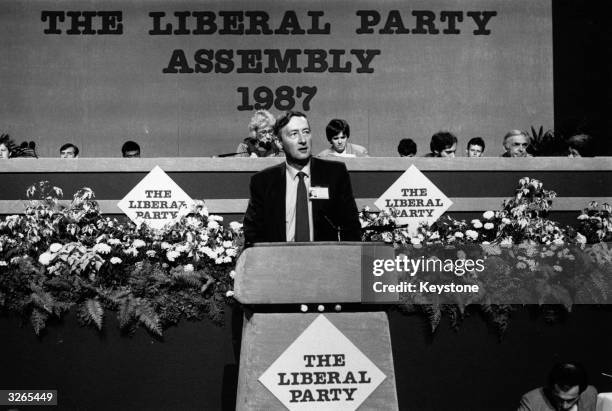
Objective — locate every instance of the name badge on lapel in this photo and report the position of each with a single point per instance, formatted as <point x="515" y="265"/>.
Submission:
<point x="319" y="193"/>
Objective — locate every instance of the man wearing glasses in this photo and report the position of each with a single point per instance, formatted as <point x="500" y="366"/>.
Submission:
<point x="304" y="198"/>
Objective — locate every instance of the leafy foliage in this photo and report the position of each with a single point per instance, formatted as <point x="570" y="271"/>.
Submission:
<point x="54" y="257"/>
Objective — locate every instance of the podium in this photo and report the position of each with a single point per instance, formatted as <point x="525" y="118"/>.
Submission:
<point x="314" y="360"/>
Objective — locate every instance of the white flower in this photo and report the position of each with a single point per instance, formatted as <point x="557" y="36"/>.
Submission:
<point x="235" y="226"/>
<point x="138" y="243"/>
<point x="229" y="294"/>
<point x="55" y="247"/>
<point x="232" y="274"/>
<point x="116" y="260"/>
<point x="151" y="253"/>
<point x="231" y="252"/>
<point x="213" y="225"/>
<point x="114" y="241"/>
<point x="557" y="268"/>
<point x="471" y="234"/>
<point x="227" y="259"/>
<point x="208" y="251"/>
<point x="172" y="255"/>
<point x="580" y="239"/>
<point x="583" y="217"/>
<point x="102" y="248"/>
<point x="415" y="240"/>
<point x="459" y="234"/>
<point x="521" y="265"/>
<point x="165" y="245"/>
<point x="219" y="260"/>
<point x="558" y="241"/>
<point x="4" y="263"/>
<point x="131" y="250"/>
<point x="489" y="226"/>
<point x="227" y="244"/>
<point x="506" y="241"/>
<point x="488" y="215"/>
<point x="215" y="218"/>
<point x="506" y="220"/>
<point x="476" y="223"/>
<point x="204" y="211"/>
<point x="188" y="268"/>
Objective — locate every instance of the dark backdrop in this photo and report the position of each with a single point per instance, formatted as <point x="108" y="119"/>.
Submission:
<point x="582" y="55"/>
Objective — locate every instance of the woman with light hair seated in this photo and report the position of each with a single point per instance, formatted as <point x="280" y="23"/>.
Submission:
<point x="261" y="141"/>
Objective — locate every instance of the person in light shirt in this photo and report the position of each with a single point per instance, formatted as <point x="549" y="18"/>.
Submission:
<point x="338" y="133"/>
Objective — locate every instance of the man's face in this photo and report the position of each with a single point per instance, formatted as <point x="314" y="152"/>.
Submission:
<point x="448" y="152"/>
<point x="339" y="142"/>
<point x="132" y="154"/>
<point x="565" y="400"/>
<point x="68" y="153"/>
<point x="516" y="146"/>
<point x="296" y="140"/>
<point x="474" y="151"/>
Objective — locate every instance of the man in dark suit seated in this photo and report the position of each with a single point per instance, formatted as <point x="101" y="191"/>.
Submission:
<point x="567" y="390"/>
<point x="303" y="198"/>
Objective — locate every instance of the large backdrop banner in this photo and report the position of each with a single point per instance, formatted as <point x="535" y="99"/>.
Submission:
<point x="182" y="78"/>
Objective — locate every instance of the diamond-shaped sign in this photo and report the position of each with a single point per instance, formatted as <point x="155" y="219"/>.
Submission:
<point x="414" y="199"/>
<point x="155" y="200"/>
<point x="322" y="370"/>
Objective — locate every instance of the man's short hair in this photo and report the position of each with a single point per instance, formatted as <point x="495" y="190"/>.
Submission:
<point x="441" y="141"/>
<point x="67" y="146"/>
<point x="335" y="127"/>
<point x="406" y="147"/>
<point x="566" y="375"/>
<point x="476" y="141"/>
<point x="284" y="119"/>
<point x="513" y="133"/>
<point x="129" y="146"/>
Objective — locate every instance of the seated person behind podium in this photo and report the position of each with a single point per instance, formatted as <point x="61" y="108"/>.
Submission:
<point x="6" y="146"/>
<point x="567" y="390"/>
<point x="516" y="143"/>
<point x="69" y="150"/>
<point x="130" y="149"/>
<point x="442" y="144"/>
<point x="303" y="198"/>
<point x="261" y="141"/>
<point x="338" y="133"/>
<point x="407" y="147"/>
<point x="475" y="147"/>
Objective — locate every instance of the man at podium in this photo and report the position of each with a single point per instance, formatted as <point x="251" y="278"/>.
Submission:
<point x="304" y="198"/>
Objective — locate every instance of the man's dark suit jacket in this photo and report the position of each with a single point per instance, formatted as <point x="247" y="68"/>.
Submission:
<point x="264" y="220"/>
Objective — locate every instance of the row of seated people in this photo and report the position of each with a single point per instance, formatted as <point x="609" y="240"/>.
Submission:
<point x="263" y="143"/>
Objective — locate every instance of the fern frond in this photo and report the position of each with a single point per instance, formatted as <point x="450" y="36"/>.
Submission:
<point x="38" y="320"/>
<point x="93" y="312"/>
<point x="126" y="312"/>
<point x="147" y="316"/>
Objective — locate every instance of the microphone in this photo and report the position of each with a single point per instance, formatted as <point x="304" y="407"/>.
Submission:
<point x="336" y="229"/>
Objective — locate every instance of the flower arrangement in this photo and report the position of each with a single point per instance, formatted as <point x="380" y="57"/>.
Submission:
<point x="53" y="258"/>
<point x="529" y="252"/>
